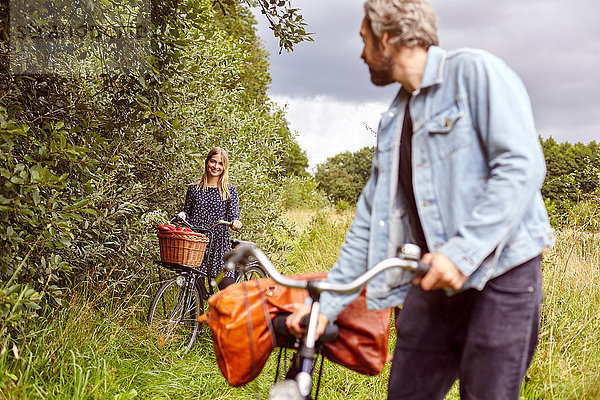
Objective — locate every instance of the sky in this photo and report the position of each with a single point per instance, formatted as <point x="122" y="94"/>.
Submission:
<point x="554" y="46"/>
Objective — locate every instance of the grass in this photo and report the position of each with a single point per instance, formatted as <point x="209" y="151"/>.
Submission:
<point x="567" y="364"/>
<point x="99" y="347"/>
<point x="319" y="238"/>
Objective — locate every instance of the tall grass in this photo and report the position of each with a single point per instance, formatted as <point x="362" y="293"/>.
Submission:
<point x="567" y="364"/>
<point x="320" y="234"/>
<point x="99" y="347"/>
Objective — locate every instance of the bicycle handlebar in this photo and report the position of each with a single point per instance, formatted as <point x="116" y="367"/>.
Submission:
<point x="408" y="259"/>
<point x="181" y="217"/>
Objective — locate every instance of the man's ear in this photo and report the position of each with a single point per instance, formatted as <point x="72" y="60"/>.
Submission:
<point x="384" y="42"/>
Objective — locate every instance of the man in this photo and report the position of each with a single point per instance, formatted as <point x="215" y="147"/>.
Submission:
<point x="457" y="170"/>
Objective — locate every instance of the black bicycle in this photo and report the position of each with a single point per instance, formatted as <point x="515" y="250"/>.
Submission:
<point x="181" y="298"/>
<point x="298" y="382"/>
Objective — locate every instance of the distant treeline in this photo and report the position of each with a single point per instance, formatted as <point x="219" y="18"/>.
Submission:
<point x="573" y="175"/>
<point x="572" y="170"/>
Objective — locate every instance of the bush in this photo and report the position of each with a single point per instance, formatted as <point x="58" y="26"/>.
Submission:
<point x="86" y="158"/>
<point x="302" y="192"/>
<point x="342" y="205"/>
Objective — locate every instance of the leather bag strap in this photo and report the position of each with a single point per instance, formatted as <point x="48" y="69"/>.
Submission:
<point x="249" y="325"/>
<point x="263" y="301"/>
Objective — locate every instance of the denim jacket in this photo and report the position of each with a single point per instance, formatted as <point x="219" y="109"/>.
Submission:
<point x="477" y="168"/>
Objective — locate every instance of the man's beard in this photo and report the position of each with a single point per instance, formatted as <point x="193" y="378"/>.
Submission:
<point x="381" y="74"/>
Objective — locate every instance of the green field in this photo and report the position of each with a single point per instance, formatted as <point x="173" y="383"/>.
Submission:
<point x="100" y="348"/>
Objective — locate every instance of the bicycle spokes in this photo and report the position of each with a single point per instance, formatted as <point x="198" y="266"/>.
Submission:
<point x="174" y="310"/>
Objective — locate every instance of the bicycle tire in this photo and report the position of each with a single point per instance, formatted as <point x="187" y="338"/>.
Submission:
<point x="252" y="271"/>
<point x="174" y="315"/>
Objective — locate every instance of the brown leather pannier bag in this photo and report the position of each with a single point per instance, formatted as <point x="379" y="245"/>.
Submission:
<point x="243" y="337"/>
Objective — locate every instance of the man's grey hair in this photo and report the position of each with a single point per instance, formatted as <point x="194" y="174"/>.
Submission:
<point x="409" y="23"/>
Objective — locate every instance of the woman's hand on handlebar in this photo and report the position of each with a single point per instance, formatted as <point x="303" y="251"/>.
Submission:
<point x="293" y="321"/>
<point x="236" y="225"/>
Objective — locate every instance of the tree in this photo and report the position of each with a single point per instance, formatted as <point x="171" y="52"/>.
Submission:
<point x="294" y="162"/>
<point x="90" y="152"/>
<point x="343" y="176"/>
<point x="573" y="172"/>
<point x="572" y="169"/>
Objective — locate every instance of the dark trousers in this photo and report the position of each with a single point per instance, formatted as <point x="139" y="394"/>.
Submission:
<point x="486" y="339"/>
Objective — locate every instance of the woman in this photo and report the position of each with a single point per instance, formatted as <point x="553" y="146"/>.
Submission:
<point x="211" y="199"/>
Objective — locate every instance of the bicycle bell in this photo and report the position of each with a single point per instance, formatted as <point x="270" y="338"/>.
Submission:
<point x="411" y="251"/>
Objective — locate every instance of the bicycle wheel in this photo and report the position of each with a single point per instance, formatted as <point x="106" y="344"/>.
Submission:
<point x="251" y="271"/>
<point x="174" y="312"/>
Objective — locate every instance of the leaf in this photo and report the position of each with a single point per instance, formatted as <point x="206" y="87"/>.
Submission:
<point x="11" y="289"/>
<point x="17" y="180"/>
<point x="36" y="196"/>
<point x="65" y="241"/>
<point x="15" y="351"/>
<point x="35" y="175"/>
<point x="10" y="375"/>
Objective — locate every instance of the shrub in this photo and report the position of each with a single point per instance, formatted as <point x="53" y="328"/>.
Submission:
<point x="302" y="192"/>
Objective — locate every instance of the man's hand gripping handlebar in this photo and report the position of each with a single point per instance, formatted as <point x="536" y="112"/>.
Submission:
<point x="408" y="259"/>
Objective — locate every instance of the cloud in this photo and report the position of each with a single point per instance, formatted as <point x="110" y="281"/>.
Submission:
<point x="553" y="45"/>
<point x="327" y="126"/>
<point x="329" y="66"/>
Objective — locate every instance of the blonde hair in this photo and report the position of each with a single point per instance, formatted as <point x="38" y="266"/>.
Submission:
<point x="223" y="183"/>
<point x="409" y="23"/>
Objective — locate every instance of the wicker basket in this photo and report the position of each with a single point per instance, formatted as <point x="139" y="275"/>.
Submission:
<point x="182" y="247"/>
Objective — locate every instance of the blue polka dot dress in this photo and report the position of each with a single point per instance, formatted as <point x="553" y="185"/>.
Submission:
<point x="204" y="207"/>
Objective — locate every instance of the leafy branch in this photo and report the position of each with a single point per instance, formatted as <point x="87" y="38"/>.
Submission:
<point x="285" y="21"/>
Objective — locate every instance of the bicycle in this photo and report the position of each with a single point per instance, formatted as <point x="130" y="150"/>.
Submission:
<point x="175" y="307"/>
<point x="298" y="382"/>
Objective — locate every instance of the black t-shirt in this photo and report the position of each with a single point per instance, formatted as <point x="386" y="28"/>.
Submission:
<point x="405" y="181"/>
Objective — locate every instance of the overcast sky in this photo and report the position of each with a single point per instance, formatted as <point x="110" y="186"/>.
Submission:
<point x="554" y="45"/>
